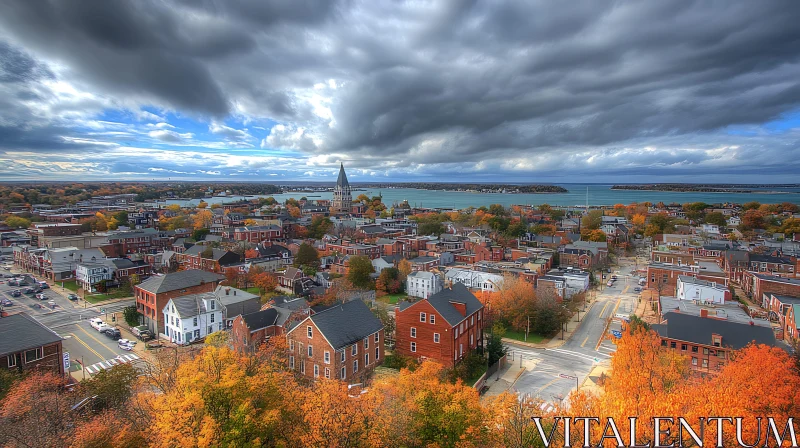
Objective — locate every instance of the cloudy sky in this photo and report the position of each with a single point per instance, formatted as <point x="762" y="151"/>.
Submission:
<point x="492" y="91"/>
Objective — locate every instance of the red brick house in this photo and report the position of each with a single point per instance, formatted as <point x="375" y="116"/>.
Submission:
<point x="27" y="345"/>
<point x="208" y="258"/>
<point x="255" y="234"/>
<point x="445" y="327"/>
<point x="248" y="331"/>
<point x="709" y="342"/>
<point x="153" y="294"/>
<point x="424" y="263"/>
<point x="756" y="285"/>
<point x="288" y="277"/>
<point x="792" y="327"/>
<point x="344" y="342"/>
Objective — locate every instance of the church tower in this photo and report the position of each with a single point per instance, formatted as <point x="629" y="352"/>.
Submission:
<point x="342" y="195"/>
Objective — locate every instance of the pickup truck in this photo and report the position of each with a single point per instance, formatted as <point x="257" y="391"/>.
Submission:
<point x="98" y="324"/>
<point x="136" y="331"/>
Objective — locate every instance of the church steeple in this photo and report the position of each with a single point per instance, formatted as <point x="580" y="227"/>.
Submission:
<point x="342" y="194"/>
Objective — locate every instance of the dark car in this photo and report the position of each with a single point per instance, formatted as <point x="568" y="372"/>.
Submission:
<point x="29" y="291"/>
<point x="113" y="333"/>
<point x="44" y="285"/>
<point x="73" y="297"/>
<point x="145" y="335"/>
<point x="38" y="290"/>
<point x="6" y="302"/>
<point x="15" y="293"/>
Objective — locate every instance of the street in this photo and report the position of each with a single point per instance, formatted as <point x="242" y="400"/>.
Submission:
<point x="70" y="320"/>
<point x="552" y="373"/>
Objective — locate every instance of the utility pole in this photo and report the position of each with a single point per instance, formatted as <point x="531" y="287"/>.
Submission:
<point x="527" y="330"/>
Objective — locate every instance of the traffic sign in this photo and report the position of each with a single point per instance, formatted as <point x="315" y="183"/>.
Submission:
<point x="66" y="361"/>
<point x="568" y="377"/>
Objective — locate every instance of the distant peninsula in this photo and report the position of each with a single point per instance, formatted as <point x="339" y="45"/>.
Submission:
<point x="707" y="188"/>
<point x="475" y="188"/>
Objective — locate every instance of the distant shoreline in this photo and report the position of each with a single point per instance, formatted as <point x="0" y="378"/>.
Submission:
<point x="706" y="188"/>
<point x="475" y="188"/>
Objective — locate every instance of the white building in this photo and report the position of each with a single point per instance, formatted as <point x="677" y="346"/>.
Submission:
<point x="423" y="284"/>
<point x="573" y="280"/>
<point x="734" y="221"/>
<point x="192" y="317"/>
<point x="690" y="288"/>
<point x="90" y="274"/>
<point x="483" y="281"/>
<point x="711" y="229"/>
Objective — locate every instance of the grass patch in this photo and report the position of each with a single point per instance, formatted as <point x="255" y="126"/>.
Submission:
<point x="100" y="297"/>
<point x="476" y="375"/>
<point x="72" y="285"/>
<point x="392" y="299"/>
<point x="533" y="338"/>
<point x="253" y="290"/>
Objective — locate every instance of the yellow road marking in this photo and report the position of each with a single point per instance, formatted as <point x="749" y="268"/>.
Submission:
<point x="548" y="385"/>
<point x="604" y="309"/>
<point x="86" y="345"/>
<point x="584" y="341"/>
<point x="626" y="289"/>
<point x="617" y="306"/>
<point x="98" y="340"/>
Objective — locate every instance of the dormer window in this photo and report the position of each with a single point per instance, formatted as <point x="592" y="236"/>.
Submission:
<point x="716" y="340"/>
<point x="212" y="305"/>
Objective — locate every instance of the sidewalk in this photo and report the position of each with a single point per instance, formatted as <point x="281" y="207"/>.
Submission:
<point x="556" y="341"/>
<point x="592" y="383"/>
<point x="503" y="380"/>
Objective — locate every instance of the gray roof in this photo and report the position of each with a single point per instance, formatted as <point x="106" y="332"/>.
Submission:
<point x="235" y="295"/>
<point x="179" y="280"/>
<point x="342" y="180"/>
<point x="261" y="319"/>
<point x="698" y="330"/>
<point x="198" y="249"/>
<point x="194" y="304"/>
<point x="20" y="332"/>
<point x="346" y="323"/>
<point x="441" y="302"/>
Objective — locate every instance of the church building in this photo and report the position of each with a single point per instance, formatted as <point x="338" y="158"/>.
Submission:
<point x="342" y="195"/>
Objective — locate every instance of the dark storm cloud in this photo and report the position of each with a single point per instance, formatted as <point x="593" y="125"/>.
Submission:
<point x="441" y="82"/>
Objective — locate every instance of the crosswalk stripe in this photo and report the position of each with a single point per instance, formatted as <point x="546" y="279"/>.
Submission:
<point x="109" y="363"/>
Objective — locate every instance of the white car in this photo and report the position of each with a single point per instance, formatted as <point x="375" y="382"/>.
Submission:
<point x="126" y="344"/>
<point x="95" y="322"/>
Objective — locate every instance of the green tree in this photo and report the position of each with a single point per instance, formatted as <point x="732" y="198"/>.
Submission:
<point x="753" y="205"/>
<point x="430" y="228"/>
<point x="131" y="315"/>
<point x="121" y="217"/>
<point x="359" y="272"/>
<point x="320" y="225"/>
<point x="16" y="222"/>
<point x="593" y="220"/>
<point x="716" y="218"/>
<point x="307" y="255"/>
<point x="113" y="387"/>
<point x="200" y="234"/>
<point x="494" y="347"/>
<point x="497" y="210"/>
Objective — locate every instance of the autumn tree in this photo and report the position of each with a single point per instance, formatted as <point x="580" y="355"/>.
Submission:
<point x="752" y="219"/>
<point x="202" y="205"/>
<point x="514" y="302"/>
<point x="202" y="219"/>
<point x="404" y="268"/>
<point x="265" y="282"/>
<point x="250" y="254"/>
<point x="596" y="235"/>
<point x="388" y="282"/>
<point x="592" y="220"/>
<point x="360" y="268"/>
<point x="36" y="412"/>
<point x="16" y="222"/>
<point x="307" y="255"/>
<point x="112" y="387"/>
<point x="231" y="276"/>
<point x="715" y="218"/>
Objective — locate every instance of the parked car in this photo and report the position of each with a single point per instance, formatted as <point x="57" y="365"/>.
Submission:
<point x="113" y="333"/>
<point x="28" y="291"/>
<point x="41" y="296"/>
<point x="145" y="335"/>
<point x="137" y="330"/>
<point x="73" y="297"/>
<point x="44" y="285"/>
<point x="637" y="289"/>
<point x="96" y="322"/>
<point x="126" y="344"/>
<point x="613" y="277"/>
<point x="6" y="302"/>
<point x="13" y="282"/>
<point x="15" y="293"/>
<point x="610" y="283"/>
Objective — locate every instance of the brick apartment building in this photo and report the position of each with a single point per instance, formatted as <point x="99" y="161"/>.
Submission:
<point x="344" y="342"/>
<point x="709" y="342"/>
<point x="208" y="258"/>
<point x="445" y="327"/>
<point x="153" y="294"/>
<point x="755" y="285"/>
<point x="665" y="276"/>
<point x="255" y="234"/>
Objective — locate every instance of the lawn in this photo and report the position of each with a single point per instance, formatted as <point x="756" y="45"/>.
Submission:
<point x="99" y="297"/>
<point x="533" y="338"/>
<point x="72" y="285"/>
<point x="253" y="290"/>
<point x="392" y="299"/>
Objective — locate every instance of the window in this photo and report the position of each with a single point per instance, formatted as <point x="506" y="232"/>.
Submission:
<point x="327" y="373"/>
<point x="11" y="360"/>
<point x="327" y="357"/>
<point x="705" y="363"/>
<point x="694" y="349"/>
<point x="684" y="347"/>
<point x="460" y="349"/>
<point x="213" y="305"/>
<point x="694" y="361"/>
<point x="33" y="355"/>
<point x="472" y="321"/>
<point x="310" y="351"/>
<point x="194" y="321"/>
<point x="673" y="344"/>
<point x="377" y="338"/>
<point x="366" y="342"/>
<point x="413" y="332"/>
<point x="291" y="345"/>
<point x="433" y="318"/>
<point x="354" y="350"/>
<point x="196" y="334"/>
<point x="705" y="351"/>
<point x="413" y="347"/>
<point x="479" y="317"/>
<point x="455" y="334"/>
<point x="291" y="362"/>
<point x="355" y="366"/>
<point x="377" y="353"/>
<point x="309" y="332"/>
<point x="316" y="371"/>
<point x="436" y="337"/>
<point x="212" y="318"/>
<point x="471" y="338"/>
<point x="422" y="317"/>
<point x="177" y="322"/>
<point x="366" y="359"/>
<point x="342" y="355"/>
<point x="343" y="373"/>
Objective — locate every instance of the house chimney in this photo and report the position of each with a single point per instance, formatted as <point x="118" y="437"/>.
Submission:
<point x="234" y="292"/>
<point x="703" y="313"/>
<point x="227" y="291"/>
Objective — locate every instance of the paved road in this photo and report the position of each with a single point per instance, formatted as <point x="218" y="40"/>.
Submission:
<point x="70" y="320"/>
<point x="550" y="373"/>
